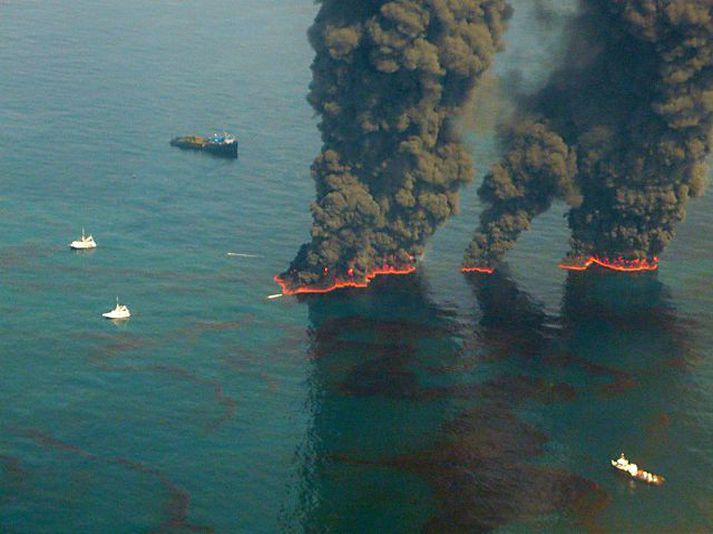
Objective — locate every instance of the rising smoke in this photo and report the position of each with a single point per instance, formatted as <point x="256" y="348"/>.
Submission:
<point x="389" y="80"/>
<point x="621" y="132"/>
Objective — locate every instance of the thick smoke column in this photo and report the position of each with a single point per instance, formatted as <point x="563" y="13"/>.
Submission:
<point x="389" y="79"/>
<point x="621" y="132"/>
<point x="539" y="167"/>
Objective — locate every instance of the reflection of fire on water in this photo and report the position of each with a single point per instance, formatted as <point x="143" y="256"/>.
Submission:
<point x="614" y="264"/>
<point x="340" y="283"/>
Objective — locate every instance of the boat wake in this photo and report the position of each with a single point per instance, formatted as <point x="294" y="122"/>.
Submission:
<point x="240" y="255"/>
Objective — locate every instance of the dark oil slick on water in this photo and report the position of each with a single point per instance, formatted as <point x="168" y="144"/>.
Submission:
<point x="429" y="402"/>
<point x="480" y="461"/>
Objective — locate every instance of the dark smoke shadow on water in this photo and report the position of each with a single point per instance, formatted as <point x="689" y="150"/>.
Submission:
<point x="618" y="339"/>
<point x="393" y="406"/>
<point x="598" y="307"/>
<point x="628" y="298"/>
<point x="635" y="298"/>
<point x="365" y="397"/>
<point x="385" y="415"/>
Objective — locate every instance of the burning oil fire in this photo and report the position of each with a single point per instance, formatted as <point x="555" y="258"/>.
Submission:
<point x="570" y="264"/>
<point x="340" y="283"/>
<point x="474" y="269"/>
<point x="614" y="264"/>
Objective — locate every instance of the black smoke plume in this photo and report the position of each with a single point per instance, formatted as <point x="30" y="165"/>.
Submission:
<point x="621" y="132"/>
<point x="389" y="80"/>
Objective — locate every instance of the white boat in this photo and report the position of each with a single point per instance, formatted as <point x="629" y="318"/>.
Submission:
<point x="120" y="312"/>
<point x="625" y="466"/>
<point x="85" y="242"/>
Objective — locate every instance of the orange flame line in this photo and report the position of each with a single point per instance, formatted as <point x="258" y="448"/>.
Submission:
<point x="484" y="270"/>
<point x="340" y="284"/>
<point x="571" y="267"/>
<point x="627" y="266"/>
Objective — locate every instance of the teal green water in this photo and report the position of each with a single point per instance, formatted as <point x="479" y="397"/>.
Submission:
<point x="425" y="402"/>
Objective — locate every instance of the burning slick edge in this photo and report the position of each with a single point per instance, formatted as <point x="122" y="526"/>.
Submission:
<point x="331" y="282"/>
<point x="582" y="263"/>
<point x="482" y="269"/>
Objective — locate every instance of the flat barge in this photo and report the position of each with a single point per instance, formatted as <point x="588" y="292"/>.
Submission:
<point x="224" y="145"/>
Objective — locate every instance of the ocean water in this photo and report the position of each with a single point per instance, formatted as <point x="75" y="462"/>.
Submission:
<point x="429" y="402"/>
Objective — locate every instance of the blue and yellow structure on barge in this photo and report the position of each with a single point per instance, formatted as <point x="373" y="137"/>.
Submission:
<point x="225" y="144"/>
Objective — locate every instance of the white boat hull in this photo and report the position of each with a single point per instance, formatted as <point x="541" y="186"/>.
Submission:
<point x="113" y="315"/>
<point x="120" y="312"/>
<point x="633" y="471"/>
<point x="81" y="245"/>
